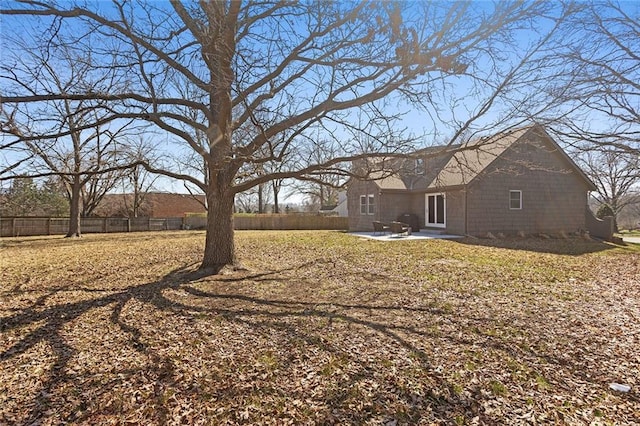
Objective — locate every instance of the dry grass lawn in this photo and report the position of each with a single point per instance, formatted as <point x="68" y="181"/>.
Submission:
<point x="322" y="328"/>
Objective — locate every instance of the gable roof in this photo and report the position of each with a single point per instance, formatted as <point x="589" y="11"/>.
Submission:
<point x="388" y="182"/>
<point x="592" y="186"/>
<point x="472" y="158"/>
<point x="475" y="156"/>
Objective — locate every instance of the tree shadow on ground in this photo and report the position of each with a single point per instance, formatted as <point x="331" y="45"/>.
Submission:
<point x="572" y="246"/>
<point x="438" y="401"/>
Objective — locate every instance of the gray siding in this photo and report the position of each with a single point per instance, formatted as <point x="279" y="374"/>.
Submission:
<point x="554" y="197"/>
<point x="389" y="205"/>
<point x="357" y="221"/>
<point x="554" y="194"/>
<point x="417" y="207"/>
<point x="393" y="205"/>
<point x="455" y="216"/>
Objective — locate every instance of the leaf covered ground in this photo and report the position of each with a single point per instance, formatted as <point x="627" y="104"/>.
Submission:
<point x="322" y="328"/>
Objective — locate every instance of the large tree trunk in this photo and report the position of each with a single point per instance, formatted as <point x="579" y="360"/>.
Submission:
<point x="74" y="209"/>
<point x="218" y="51"/>
<point x="219" y="248"/>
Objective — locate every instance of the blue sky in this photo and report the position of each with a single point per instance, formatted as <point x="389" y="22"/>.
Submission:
<point x="417" y="121"/>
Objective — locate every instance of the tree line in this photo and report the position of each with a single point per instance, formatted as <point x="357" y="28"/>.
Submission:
<point x="233" y="96"/>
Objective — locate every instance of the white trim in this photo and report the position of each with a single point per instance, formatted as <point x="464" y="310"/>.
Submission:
<point x="435" y="215"/>
<point x="513" y="191"/>
<point x="367" y="211"/>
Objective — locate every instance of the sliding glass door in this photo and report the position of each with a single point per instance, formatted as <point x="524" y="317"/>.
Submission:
<point x="435" y="210"/>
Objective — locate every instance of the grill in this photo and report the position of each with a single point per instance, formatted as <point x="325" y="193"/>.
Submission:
<point x="411" y="220"/>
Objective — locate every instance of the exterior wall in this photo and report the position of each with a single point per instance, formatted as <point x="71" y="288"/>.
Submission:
<point x="393" y="205"/>
<point x="554" y="194"/>
<point x="175" y="205"/>
<point x="554" y="197"/>
<point x="357" y="221"/>
<point x="455" y="203"/>
<point x="455" y="213"/>
<point x="342" y="208"/>
<point x="417" y="207"/>
<point x="154" y="204"/>
<point x="388" y="205"/>
<point x="600" y="228"/>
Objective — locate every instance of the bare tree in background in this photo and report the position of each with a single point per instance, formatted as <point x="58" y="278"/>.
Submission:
<point x="64" y="137"/>
<point x="320" y="189"/>
<point x="254" y="200"/>
<point x="277" y="185"/>
<point x="616" y="175"/>
<point x="292" y="69"/>
<point x="138" y="180"/>
<point x="601" y="87"/>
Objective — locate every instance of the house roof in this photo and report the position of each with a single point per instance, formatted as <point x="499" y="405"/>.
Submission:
<point x="475" y="156"/>
<point x="175" y="205"/>
<point x="470" y="160"/>
<point x="388" y="182"/>
<point x="154" y="204"/>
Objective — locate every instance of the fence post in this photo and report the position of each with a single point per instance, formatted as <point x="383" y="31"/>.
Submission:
<point x="48" y="226"/>
<point x="13" y="227"/>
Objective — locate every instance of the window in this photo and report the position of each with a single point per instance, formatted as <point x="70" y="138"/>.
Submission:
<point x="515" y="200"/>
<point x="419" y="167"/>
<point x="367" y="204"/>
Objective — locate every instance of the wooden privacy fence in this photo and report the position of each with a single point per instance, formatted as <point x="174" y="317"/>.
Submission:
<point x="280" y="221"/>
<point x="274" y="221"/>
<point x="30" y="226"/>
<point x="27" y="226"/>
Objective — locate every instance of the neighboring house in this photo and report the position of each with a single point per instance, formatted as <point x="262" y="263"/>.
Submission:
<point x="155" y="205"/>
<point x="339" y="209"/>
<point x="519" y="181"/>
<point x="342" y="207"/>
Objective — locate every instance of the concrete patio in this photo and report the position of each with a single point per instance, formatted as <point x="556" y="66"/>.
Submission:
<point x="422" y="235"/>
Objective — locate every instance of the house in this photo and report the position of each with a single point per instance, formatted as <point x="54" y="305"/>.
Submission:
<point x="339" y="209"/>
<point x="154" y="204"/>
<point x="519" y="181"/>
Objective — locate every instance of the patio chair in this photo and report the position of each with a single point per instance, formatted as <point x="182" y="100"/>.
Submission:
<point x="380" y="228"/>
<point x="399" y="228"/>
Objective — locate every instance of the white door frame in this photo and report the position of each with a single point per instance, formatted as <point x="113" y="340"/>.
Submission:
<point x="438" y="222"/>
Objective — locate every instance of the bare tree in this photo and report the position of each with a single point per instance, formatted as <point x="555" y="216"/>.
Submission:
<point x="254" y="200"/>
<point x="633" y="216"/>
<point x="289" y="70"/>
<point x="61" y="136"/>
<point x="616" y="176"/>
<point x="138" y="180"/>
<point x="601" y="86"/>
<point x="277" y="185"/>
<point x="320" y="189"/>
